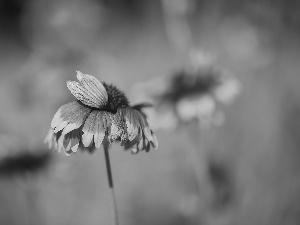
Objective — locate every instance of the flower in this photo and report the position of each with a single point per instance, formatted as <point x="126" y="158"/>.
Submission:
<point x="100" y="115"/>
<point x="191" y="93"/>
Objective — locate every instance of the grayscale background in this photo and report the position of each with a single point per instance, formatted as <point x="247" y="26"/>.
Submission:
<point x="253" y="159"/>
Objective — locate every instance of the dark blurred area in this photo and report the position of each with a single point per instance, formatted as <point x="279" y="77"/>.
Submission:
<point x="253" y="169"/>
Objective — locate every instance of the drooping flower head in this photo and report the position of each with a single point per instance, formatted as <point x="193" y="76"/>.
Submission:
<point x="191" y="93"/>
<point x="100" y="115"/>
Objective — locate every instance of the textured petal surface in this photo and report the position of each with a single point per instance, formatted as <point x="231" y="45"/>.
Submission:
<point x="89" y="129"/>
<point x="89" y="91"/>
<point x="155" y="142"/>
<point x="140" y="136"/>
<point x="50" y="138"/>
<point x="148" y="134"/>
<point x="95" y="128"/>
<point x="97" y="89"/>
<point x="149" y="139"/>
<point x="69" y="116"/>
<point x="118" y="129"/>
<point x="99" y="129"/>
<point x="68" y="142"/>
<point x="61" y="113"/>
<point x="134" y="121"/>
<point x="130" y="143"/>
<point x="75" y="147"/>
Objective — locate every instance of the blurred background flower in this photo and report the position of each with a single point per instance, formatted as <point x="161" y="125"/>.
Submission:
<point x="17" y="159"/>
<point x="189" y="99"/>
<point x="190" y="94"/>
<point x="253" y="158"/>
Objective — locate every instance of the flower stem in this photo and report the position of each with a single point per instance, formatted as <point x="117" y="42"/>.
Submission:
<point x="113" y="201"/>
<point x="199" y="157"/>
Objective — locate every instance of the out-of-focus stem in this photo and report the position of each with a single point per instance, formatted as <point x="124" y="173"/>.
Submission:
<point x="176" y="25"/>
<point x="199" y="161"/>
<point x="113" y="201"/>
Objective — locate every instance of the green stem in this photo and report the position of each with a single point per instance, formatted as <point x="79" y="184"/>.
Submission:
<point x="113" y="201"/>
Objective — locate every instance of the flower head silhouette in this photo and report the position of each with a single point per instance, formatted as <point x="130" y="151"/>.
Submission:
<point x="100" y="115"/>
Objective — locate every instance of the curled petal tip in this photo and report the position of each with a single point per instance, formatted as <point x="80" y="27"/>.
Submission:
<point x="87" y="138"/>
<point x="79" y="75"/>
<point x="75" y="147"/>
<point x="88" y="90"/>
<point x="155" y="142"/>
<point x="69" y="83"/>
<point x="79" y="72"/>
<point x="134" y="150"/>
<point x="67" y="153"/>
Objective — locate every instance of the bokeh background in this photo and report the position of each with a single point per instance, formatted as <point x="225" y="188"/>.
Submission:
<point x="253" y="159"/>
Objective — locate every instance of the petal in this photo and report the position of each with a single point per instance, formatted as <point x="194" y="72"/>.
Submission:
<point x="131" y="124"/>
<point x="96" y="88"/>
<point x="141" y="118"/>
<point x="75" y="140"/>
<point x="49" y="138"/>
<point x="134" y="149"/>
<point x="89" y="129"/>
<point x="89" y="91"/>
<point x="61" y="126"/>
<point x="124" y="138"/>
<point x="155" y="143"/>
<point x="139" y="107"/>
<point x="67" y="142"/>
<point x="140" y="136"/>
<point x="149" y="139"/>
<point x="78" y="146"/>
<point x="116" y="131"/>
<point x="60" y="144"/>
<point x="136" y="140"/>
<point x="107" y="120"/>
<point x="62" y="111"/>
<point x="52" y="138"/>
<point x="69" y="116"/>
<point x="117" y="124"/>
<point x="84" y="95"/>
<point x="148" y="147"/>
<point x="70" y="127"/>
<point x="145" y="143"/>
<point x="141" y="145"/>
<point x="132" y="119"/>
<point x="99" y="129"/>
<point x="75" y="147"/>
<point x="148" y="134"/>
<point x="96" y="126"/>
<point x="68" y="153"/>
